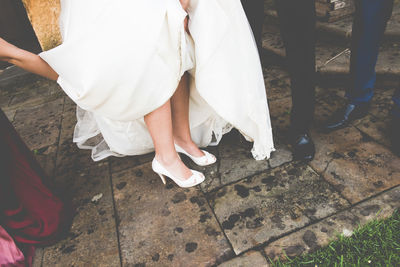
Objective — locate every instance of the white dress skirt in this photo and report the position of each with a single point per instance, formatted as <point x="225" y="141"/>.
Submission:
<point x="122" y="59"/>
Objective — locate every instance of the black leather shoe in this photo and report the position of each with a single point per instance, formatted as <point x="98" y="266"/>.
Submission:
<point x="303" y="147"/>
<point x="395" y="136"/>
<point x="343" y="117"/>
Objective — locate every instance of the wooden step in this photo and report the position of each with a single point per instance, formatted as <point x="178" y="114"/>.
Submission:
<point x="342" y="28"/>
<point x="334" y="60"/>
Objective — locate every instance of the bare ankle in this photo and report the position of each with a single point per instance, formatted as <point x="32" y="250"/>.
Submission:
<point x="190" y="147"/>
<point x="167" y="160"/>
<point x="183" y="142"/>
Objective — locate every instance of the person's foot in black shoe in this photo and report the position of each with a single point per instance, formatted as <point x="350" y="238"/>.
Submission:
<point x="344" y="116"/>
<point x="395" y="135"/>
<point x="303" y="147"/>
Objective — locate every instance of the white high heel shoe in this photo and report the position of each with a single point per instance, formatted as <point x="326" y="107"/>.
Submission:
<point x="205" y="160"/>
<point x="195" y="179"/>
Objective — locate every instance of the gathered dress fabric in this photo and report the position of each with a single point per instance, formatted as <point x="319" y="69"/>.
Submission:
<point x="122" y="59"/>
<point x="30" y="213"/>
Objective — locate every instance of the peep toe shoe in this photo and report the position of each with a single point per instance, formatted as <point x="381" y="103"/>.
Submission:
<point x="205" y="160"/>
<point x="195" y="179"/>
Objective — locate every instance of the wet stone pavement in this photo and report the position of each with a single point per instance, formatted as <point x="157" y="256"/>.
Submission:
<point x="246" y="211"/>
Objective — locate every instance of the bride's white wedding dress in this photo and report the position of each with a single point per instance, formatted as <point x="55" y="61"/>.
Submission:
<point x="122" y="59"/>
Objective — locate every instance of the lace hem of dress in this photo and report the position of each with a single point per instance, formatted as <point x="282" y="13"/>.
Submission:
<point x="87" y="135"/>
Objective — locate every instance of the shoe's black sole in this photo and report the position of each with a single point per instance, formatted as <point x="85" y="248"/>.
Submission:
<point x="303" y="159"/>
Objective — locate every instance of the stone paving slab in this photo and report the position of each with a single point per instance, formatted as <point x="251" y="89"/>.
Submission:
<point x="119" y="164"/>
<point x="320" y="234"/>
<point x="69" y="155"/>
<point x="19" y="89"/>
<point x="37" y="92"/>
<point x="325" y="92"/>
<point x="273" y="203"/>
<point x="382" y="103"/>
<point x="165" y="225"/>
<point x="46" y="157"/>
<point x="377" y="129"/>
<point x="38" y="258"/>
<point x="10" y="114"/>
<point x="354" y="164"/>
<point x="39" y="126"/>
<point x="272" y="42"/>
<point x="281" y="156"/>
<point x="235" y="162"/>
<point x="12" y="75"/>
<point x="11" y="80"/>
<point x="388" y="60"/>
<point x="351" y="160"/>
<point x="235" y="159"/>
<point x="251" y="258"/>
<point x="280" y="116"/>
<point x="4" y="99"/>
<point x="277" y="83"/>
<point x="92" y="240"/>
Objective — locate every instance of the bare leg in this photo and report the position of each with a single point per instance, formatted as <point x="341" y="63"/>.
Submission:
<point x="180" y="118"/>
<point x="26" y="60"/>
<point x="159" y="123"/>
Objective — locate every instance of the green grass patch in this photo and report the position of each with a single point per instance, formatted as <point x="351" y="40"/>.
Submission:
<point x="375" y="244"/>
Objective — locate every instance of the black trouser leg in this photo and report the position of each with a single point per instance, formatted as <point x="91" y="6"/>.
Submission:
<point x="297" y="22"/>
<point x="255" y="14"/>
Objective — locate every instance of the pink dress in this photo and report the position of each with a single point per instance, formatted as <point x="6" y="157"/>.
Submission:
<point x="30" y="214"/>
<point x="10" y="255"/>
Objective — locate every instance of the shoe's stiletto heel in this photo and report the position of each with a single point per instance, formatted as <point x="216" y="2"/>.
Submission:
<point x="205" y="160"/>
<point x="162" y="178"/>
<point x="195" y="179"/>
